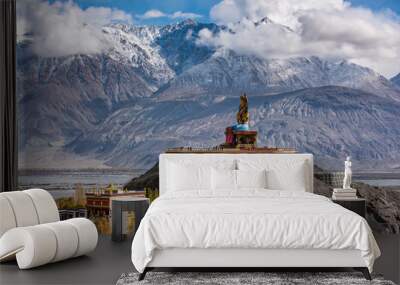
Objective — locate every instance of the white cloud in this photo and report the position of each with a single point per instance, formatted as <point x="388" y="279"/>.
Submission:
<point x="180" y="14"/>
<point x="329" y="28"/>
<point x="152" y="14"/>
<point x="63" y="28"/>
<point x="284" y="12"/>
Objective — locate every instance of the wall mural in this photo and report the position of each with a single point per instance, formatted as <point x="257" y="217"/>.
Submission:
<point x="102" y="91"/>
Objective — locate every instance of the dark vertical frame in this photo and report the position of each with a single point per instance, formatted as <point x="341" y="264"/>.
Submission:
<point x="8" y="108"/>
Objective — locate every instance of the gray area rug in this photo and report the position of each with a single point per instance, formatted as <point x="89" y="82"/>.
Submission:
<point x="228" y="278"/>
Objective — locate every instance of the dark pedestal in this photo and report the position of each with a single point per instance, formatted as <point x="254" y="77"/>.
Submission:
<point x="137" y="204"/>
<point x="357" y="205"/>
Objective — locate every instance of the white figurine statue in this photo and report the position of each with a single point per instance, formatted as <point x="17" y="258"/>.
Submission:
<point x="347" y="174"/>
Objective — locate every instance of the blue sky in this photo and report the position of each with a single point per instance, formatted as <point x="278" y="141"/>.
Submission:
<point x="201" y="7"/>
<point x="137" y="7"/>
<point x="379" y="4"/>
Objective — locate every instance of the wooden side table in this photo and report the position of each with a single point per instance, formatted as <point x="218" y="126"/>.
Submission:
<point x="123" y="204"/>
<point x="357" y="205"/>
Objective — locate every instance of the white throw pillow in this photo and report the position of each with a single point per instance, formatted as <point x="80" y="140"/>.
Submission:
<point x="183" y="177"/>
<point x="287" y="176"/>
<point x="223" y="164"/>
<point x="251" y="178"/>
<point x="224" y="179"/>
<point x="282" y="174"/>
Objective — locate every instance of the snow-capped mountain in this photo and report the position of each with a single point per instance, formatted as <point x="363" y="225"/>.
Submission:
<point x="156" y="87"/>
<point x="134" y="47"/>
<point x="396" y="80"/>
<point x="158" y="53"/>
<point x="226" y="73"/>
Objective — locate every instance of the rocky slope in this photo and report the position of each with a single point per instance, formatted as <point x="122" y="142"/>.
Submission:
<point x="383" y="206"/>
<point x="62" y="98"/>
<point x="309" y="120"/>
<point x="149" y="179"/>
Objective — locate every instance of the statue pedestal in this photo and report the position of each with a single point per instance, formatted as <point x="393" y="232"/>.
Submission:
<point x="245" y="139"/>
<point x="240" y="139"/>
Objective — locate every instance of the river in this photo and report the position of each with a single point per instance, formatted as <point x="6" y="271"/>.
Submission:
<point x="62" y="183"/>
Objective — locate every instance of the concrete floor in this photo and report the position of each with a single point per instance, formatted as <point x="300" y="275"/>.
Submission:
<point x="111" y="259"/>
<point x="103" y="266"/>
<point x="388" y="264"/>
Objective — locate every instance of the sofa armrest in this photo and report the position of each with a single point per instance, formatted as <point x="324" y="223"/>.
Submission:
<point x="33" y="246"/>
<point x="41" y="244"/>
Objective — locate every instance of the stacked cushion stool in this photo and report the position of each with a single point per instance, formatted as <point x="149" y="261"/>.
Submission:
<point x="31" y="230"/>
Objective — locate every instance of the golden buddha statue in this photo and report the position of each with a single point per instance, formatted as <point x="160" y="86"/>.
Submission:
<point x="242" y="116"/>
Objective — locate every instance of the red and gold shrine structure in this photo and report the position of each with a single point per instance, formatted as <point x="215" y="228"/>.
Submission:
<point x="240" y="139"/>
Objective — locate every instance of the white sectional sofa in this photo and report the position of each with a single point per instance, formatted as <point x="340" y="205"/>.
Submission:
<point x="31" y="230"/>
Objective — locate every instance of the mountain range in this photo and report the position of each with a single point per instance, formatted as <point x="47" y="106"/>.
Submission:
<point x="157" y="87"/>
<point x="396" y="80"/>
